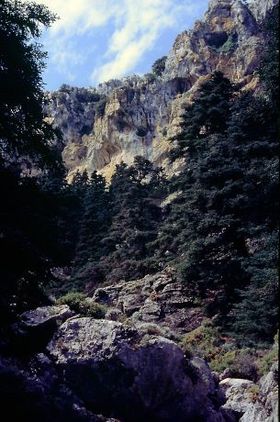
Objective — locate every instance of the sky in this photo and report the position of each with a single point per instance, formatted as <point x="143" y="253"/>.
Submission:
<point x="97" y="40"/>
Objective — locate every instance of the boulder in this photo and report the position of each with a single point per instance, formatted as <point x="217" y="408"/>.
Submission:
<point x="33" y="392"/>
<point x="35" y="328"/>
<point x="46" y="315"/>
<point x="236" y="391"/>
<point x="121" y="372"/>
<point x="253" y="402"/>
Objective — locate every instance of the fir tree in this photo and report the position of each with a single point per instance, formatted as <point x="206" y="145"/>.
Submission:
<point x="94" y="226"/>
<point x="227" y="191"/>
<point x="134" y="223"/>
<point x="255" y="316"/>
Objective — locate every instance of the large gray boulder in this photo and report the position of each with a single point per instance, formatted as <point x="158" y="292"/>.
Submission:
<point x="121" y="372"/>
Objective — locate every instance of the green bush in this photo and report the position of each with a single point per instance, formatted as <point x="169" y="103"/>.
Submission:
<point x="78" y="302"/>
<point x="202" y="341"/>
<point x="240" y="362"/>
<point x="159" y="66"/>
<point x="151" y="77"/>
<point x="207" y="343"/>
<point x="269" y="358"/>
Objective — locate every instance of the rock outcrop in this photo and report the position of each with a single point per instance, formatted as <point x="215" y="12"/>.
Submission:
<point x="253" y="402"/>
<point x="139" y="115"/>
<point x="261" y="8"/>
<point x="158" y="298"/>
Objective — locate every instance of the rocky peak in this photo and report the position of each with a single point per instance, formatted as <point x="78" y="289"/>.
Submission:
<point x="260" y="8"/>
<point x="139" y="115"/>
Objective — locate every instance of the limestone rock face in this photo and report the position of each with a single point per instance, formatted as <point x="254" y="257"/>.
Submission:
<point x="121" y="372"/>
<point x="158" y="298"/>
<point x="261" y="8"/>
<point x="139" y="115"/>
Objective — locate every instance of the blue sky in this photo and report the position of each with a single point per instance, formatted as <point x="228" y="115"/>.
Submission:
<point x="97" y="40"/>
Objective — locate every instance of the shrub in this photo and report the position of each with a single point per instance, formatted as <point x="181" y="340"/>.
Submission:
<point x="202" y="341"/>
<point x="78" y="302"/>
<point x="241" y="363"/>
<point x="151" y="77"/>
<point x="85" y="96"/>
<point x="100" y="107"/>
<point x="159" y="66"/>
<point x="206" y="342"/>
<point x="73" y="300"/>
<point x="269" y="357"/>
<point x="93" y="309"/>
<point x="65" y="88"/>
<point x="152" y="329"/>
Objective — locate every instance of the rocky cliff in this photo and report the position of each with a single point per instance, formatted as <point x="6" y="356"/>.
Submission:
<point x="140" y="115"/>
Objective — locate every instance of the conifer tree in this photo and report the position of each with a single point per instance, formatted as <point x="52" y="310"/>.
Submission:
<point x="200" y="230"/>
<point x="134" y="222"/>
<point x="255" y="315"/>
<point x="26" y="142"/>
<point x="95" y="222"/>
<point x="226" y="195"/>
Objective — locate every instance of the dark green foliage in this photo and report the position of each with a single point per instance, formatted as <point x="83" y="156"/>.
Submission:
<point x="227" y="194"/>
<point x="95" y="222"/>
<point x="208" y="115"/>
<point x="22" y="128"/>
<point x="78" y="302"/>
<point x="68" y="209"/>
<point x="255" y="316"/>
<point x="150" y="77"/>
<point x="27" y="229"/>
<point x="135" y="216"/>
<point x="159" y="66"/>
<point x="28" y="242"/>
<point x="269" y="67"/>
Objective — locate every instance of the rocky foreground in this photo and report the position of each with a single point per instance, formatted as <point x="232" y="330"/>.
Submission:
<point x="78" y="368"/>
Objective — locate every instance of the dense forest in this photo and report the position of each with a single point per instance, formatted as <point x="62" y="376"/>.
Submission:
<point x="219" y="231"/>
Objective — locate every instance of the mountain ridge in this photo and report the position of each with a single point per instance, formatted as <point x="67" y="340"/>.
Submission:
<point x="121" y="119"/>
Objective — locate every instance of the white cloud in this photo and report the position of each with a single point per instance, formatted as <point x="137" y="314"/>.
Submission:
<point x="135" y="26"/>
<point x="142" y="23"/>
